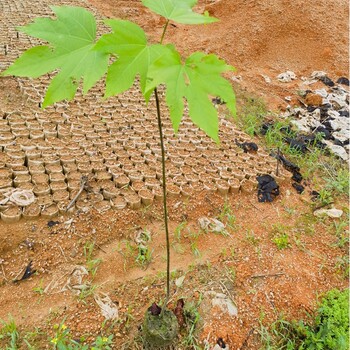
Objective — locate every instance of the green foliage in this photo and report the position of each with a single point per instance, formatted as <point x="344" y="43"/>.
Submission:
<point x="63" y="340"/>
<point x="178" y="10"/>
<point x="281" y="241"/>
<point x="144" y="255"/>
<point x="91" y="264"/>
<point x="8" y="331"/>
<point x="192" y="319"/>
<point x="250" y="114"/>
<point x="71" y="37"/>
<point x="329" y="330"/>
<point x="129" y="43"/>
<point x="227" y="215"/>
<point x="73" y="51"/>
<point x="197" y="79"/>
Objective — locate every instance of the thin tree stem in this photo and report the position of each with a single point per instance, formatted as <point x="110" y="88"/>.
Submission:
<point x="164" y="30"/>
<point x="164" y="200"/>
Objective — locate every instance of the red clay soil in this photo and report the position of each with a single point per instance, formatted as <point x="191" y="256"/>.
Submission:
<point x="266" y="37"/>
<point x="258" y="37"/>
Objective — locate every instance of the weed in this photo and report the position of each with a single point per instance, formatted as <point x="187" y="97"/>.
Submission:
<point x="226" y="215"/>
<point x="144" y="255"/>
<point x="230" y="273"/>
<point x="339" y="183"/>
<point x="281" y="241"/>
<point x="251" y="238"/>
<point x="325" y="197"/>
<point x="228" y="253"/>
<point x="178" y="230"/>
<point x="9" y="331"/>
<point x="178" y="248"/>
<point x="87" y="291"/>
<point x="91" y="264"/>
<point x="192" y="317"/>
<point x="328" y="331"/>
<point x="341" y="232"/>
<point x="195" y="250"/>
<point x="63" y="340"/>
<point x="251" y="114"/>
<point x="39" y="289"/>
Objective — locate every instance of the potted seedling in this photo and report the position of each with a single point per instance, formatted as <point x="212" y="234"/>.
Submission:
<point x="125" y="54"/>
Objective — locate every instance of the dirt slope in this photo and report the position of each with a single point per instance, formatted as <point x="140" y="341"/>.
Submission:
<point x="258" y="37"/>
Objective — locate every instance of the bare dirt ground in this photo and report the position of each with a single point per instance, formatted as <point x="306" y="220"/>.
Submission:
<point x="259" y="38"/>
<point x="262" y="280"/>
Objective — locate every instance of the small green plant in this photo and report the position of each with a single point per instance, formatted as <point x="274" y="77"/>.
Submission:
<point x="281" y="241"/>
<point x="328" y="331"/>
<point x="39" y="289"/>
<point x="325" y="197"/>
<point x="192" y="318"/>
<point x="252" y="238"/>
<point x="251" y="114"/>
<point x="8" y="331"/>
<point x="230" y="273"/>
<point x="226" y="215"/>
<point x="194" y="248"/>
<point x="178" y="230"/>
<point x="341" y="232"/>
<point x="63" y="340"/>
<point x="91" y="264"/>
<point x="144" y="255"/>
<point x="87" y="291"/>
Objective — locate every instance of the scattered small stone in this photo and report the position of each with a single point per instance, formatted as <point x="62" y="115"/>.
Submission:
<point x="338" y="150"/>
<point x="212" y="225"/>
<point x="286" y="77"/>
<point x="266" y="78"/>
<point x="223" y="302"/>
<point x="318" y="74"/>
<point x="332" y="213"/>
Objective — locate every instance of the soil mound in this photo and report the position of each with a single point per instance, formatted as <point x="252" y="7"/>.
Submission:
<point x="266" y="37"/>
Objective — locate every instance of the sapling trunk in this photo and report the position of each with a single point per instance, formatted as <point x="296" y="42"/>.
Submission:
<point x="165" y="208"/>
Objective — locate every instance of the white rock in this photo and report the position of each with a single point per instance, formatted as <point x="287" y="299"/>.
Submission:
<point x="286" y="77"/>
<point x="218" y="347"/>
<point x="339" y="124"/>
<point x="224" y="303"/>
<point x="266" y="78"/>
<point x="301" y="124"/>
<point x="339" y="151"/>
<point x="317" y="74"/>
<point x="179" y="281"/>
<point x="321" y="92"/>
<point x="341" y="135"/>
<point x="332" y="213"/>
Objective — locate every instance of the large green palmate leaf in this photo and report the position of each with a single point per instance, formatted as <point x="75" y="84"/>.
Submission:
<point x="197" y="80"/>
<point x="178" y="10"/>
<point x="134" y="56"/>
<point x="71" y="37"/>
